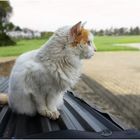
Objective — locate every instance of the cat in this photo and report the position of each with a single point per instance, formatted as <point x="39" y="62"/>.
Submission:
<point x="40" y="78"/>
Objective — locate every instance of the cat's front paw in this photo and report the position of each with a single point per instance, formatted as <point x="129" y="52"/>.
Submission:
<point x="55" y="115"/>
<point x="45" y="112"/>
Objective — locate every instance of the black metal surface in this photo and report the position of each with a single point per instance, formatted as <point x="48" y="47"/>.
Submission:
<point x="77" y="119"/>
<point x="75" y="134"/>
<point x="4" y="84"/>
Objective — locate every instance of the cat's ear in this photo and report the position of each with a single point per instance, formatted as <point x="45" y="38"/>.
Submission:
<point x="83" y="24"/>
<point x="75" y="29"/>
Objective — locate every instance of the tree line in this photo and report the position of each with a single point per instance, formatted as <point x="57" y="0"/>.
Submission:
<point x="117" y="31"/>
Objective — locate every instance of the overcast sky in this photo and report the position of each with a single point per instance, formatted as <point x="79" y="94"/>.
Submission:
<point x="48" y="15"/>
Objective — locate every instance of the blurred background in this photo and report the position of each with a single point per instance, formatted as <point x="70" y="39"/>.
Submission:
<point x="111" y="79"/>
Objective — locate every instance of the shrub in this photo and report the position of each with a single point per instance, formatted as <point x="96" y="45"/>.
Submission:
<point x="5" y="40"/>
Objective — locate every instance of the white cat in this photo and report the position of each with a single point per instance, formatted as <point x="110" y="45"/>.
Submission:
<point x="40" y="78"/>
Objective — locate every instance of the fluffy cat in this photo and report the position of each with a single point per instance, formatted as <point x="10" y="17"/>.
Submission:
<point x="40" y="78"/>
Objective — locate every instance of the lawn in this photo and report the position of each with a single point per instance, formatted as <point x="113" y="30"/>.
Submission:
<point x="21" y="47"/>
<point x="103" y="43"/>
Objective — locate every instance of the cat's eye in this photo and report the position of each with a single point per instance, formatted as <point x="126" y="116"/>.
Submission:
<point x="79" y="33"/>
<point x="89" y="42"/>
<point x="76" y="42"/>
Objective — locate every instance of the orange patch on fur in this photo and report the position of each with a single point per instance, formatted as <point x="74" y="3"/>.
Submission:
<point x="81" y="36"/>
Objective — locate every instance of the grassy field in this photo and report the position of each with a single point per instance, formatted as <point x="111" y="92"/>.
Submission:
<point x="103" y="43"/>
<point x="21" y="47"/>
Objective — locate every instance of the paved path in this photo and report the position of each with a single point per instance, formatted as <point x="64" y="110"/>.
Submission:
<point x="5" y="59"/>
<point x="6" y="64"/>
<point x="113" y="79"/>
<point x="117" y="71"/>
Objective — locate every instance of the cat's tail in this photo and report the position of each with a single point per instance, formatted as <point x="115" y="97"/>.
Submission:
<point x="3" y="99"/>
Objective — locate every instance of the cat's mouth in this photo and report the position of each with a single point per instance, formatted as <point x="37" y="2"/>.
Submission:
<point x="88" y="56"/>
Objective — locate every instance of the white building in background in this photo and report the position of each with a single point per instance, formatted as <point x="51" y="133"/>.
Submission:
<point x="24" y="34"/>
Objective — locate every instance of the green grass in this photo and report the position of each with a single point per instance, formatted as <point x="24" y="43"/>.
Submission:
<point x="103" y="43"/>
<point x="21" y="47"/>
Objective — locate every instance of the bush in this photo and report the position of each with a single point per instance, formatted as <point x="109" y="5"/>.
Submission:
<point x="46" y="35"/>
<point x="5" y="40"/>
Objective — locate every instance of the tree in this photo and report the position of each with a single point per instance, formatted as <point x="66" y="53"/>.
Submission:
<point x="17" y="28"/>
<point x="46" y="35"/>
<point x="136" y="30"/>
<point x="5" y="13"/>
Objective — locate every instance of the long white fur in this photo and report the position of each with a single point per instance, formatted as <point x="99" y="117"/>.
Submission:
<point x="39" y="78"/>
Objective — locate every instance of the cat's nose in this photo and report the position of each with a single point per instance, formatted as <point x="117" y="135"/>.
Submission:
<point x="95" y="49"/>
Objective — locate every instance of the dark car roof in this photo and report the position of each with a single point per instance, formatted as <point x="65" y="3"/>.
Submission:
<point x="77" y="120"/>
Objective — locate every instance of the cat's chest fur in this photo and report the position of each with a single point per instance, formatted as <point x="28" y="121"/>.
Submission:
<point x="63" y="73"/>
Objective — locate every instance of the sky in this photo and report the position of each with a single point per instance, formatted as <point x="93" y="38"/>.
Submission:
<point x="48" y="15"/>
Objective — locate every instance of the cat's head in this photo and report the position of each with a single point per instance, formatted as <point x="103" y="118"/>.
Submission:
<point x="82" y="41"/>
